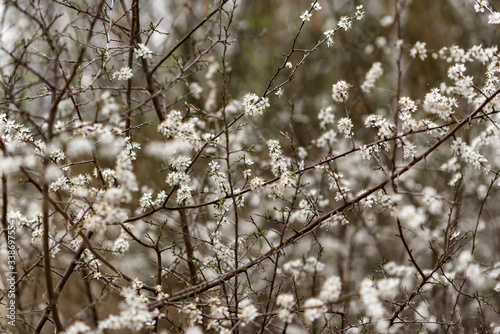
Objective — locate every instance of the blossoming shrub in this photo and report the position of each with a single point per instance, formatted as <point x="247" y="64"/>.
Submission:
<point x="254" y="166"/>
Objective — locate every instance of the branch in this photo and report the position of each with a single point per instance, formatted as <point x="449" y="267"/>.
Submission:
<point x="182" y="40"/>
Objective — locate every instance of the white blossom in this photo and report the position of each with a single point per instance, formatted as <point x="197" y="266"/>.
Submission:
<point x="293" y="267"/>
<point x="142" y="51"/>
<point x="302" y="153"/>
<point x="121" y="245"/>
<point x="386" y="21"/>
<point x="419" y="50"/>
<point x="369" y="296"/>
<point x="385" y="128"/>
<point x="306" y="16"/>
<point x="193" y="313"/>
<point x="340" y="91"/>
<point x="285" y="315"/>
<point x="331" y="289"/>
<point x="388" y="288"/>
<point x="329" y="37"/>
<point x="78" y="328"/>
<point x="360" y="12"/>
<point x="345" y="23"/>
<point x="316" y="6"/>
<point x="184" y="194"/>
<point x="494" y="18"/>
<point x="326" y="116"/>
<point x="135" y="317"/>
<point x="409" y="150"/>
<point x="467" y="153"/>
<point x="194" y="330"/>
<point x="195" y="89"/>
<point x="480" y="5"/>
<point x="315" y="308"/>
<point x="345" y="126"/>
<point x="249" y="313"/>
<point x="327" y="139"/>
<point x="254" y="105"/>
<point x="183" y="130"/>
<point x="125" y="73"/>
<point x="286" y="300"/>
<point x="137" y="284"/>
<point x="256" y="183"/>
<point x="456" y="71"/>
<point x="436" y="103"/>
<point x="373" y="74"/>
<point x="312" y="265"/>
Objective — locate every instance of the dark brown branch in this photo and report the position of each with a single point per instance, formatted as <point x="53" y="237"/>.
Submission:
<point x="408" y="250"/>
<point x="46" y="255"/>
<point x="185" y="38"/>
<point x="62" y="282"/>
<point x="189" y="246"/>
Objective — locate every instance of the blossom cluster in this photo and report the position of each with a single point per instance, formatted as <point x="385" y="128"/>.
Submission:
<point x="373" y="75"/>
<point x="255" y="105"/>
<point x="340" y="91"/>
